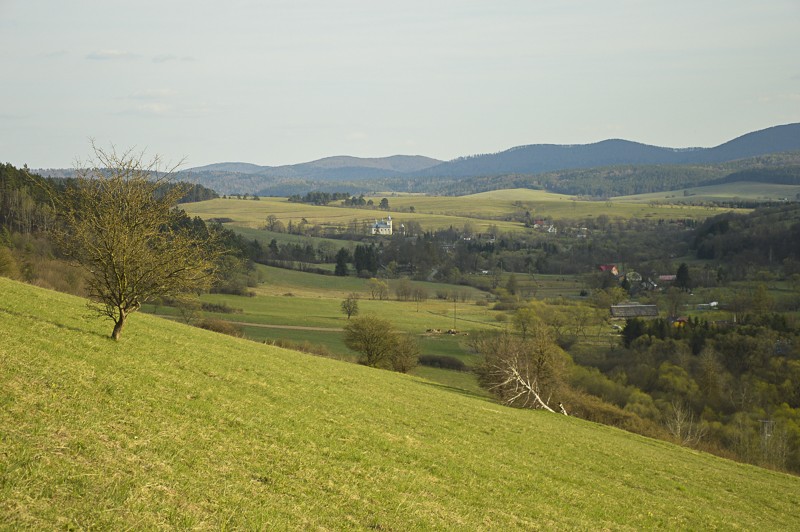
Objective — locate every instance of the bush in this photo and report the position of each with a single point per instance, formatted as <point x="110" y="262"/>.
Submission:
<point x="443" y="362"/>
<point x="592" y="408"/>
<point x="222" y="327"/>
<point x="304" y="346"/>
<point x="8" y="265"/>
<point x="222" y="308"/>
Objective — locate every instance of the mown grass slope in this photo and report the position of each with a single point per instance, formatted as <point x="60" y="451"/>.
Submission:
<point x="179" y="427"/>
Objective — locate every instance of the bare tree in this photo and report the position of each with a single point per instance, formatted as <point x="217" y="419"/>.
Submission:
<point x="405" y="353"/>
<point x="188" y="307"/>
<point x="524" y="319"/>
<point x="378" y="289"/>
<point x="121" y="226"/>
<point x="403" y="289"/>
<point x="350" y="305"/>
<point x="682" y="425"/>
<point x="525" y="373"/>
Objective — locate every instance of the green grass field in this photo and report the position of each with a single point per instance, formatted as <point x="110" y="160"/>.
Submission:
<point x="175" y="427"/>
<point x="289" y="297"/>
<point x="726" y="192"/>
<point x="499" y="204"/>
<point x="481" y="211"/>
<point x="253" y="214"/>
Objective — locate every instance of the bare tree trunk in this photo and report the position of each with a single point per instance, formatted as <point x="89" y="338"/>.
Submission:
<point x="118" y="324"/>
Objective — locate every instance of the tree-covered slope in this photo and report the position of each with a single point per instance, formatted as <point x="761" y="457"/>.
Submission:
<point x="174" y="427"/>
<point x="629" y="179"/>
<point x="541" y="158"/>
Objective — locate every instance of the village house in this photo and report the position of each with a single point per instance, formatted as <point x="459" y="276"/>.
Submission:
<point x="609" y="268"/>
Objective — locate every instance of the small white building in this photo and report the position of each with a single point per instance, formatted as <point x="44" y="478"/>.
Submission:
<point x="383" y="227"/>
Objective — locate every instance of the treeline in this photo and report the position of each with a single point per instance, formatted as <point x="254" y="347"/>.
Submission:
<point x="319" y="198"/>
<point x="767" y="237"/>
<point x="196" y="193"/>
<point x="452" y="254"/>
<point x="738" y="246"/>
<point x="24" y="206"/>
<point x="27" y="215"/>
<point x="618" y="180"/>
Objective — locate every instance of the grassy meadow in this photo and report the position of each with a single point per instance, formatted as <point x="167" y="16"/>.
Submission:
<point x="481" y="211"/>
<point x="176" y="427"/>
<point x="306" y="307"/>
<point x="725" y="192"/>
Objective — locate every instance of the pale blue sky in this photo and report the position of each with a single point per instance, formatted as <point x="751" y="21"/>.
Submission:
<point x="281" y="82"/>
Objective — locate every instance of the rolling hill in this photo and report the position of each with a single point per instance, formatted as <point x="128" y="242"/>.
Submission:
<point x="476" y="173"/>
<point x="417" y="173"/>
<point x="175" y="427"/>
<point x="540" y="158"/>
<point x="329" y="168"/>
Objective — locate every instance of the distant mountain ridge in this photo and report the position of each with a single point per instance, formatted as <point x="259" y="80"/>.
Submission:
<point x="406" y="172"/>
<point x="330" y="167"/>
<point x="540" y="158"/>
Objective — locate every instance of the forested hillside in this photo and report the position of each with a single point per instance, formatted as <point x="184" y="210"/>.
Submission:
<point x="624" y="180"/>
<point x="542" y="158"/>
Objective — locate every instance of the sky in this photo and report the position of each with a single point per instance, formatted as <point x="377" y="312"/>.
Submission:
<point x="277" y="82"/>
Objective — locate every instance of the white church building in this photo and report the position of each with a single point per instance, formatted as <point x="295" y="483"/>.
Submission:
<point x="382" y="227"/>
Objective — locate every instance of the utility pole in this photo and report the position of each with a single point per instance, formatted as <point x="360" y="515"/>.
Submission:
<point x="455" y="299"/>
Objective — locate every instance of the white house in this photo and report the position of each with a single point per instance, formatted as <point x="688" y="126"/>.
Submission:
<point x="382" y="227"/>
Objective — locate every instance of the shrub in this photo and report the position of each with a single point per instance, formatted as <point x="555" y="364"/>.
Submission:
<point x="222" y="308"/>
<point x="443" y="362"/>
<point x="222" y="327"/>
<point x="8" y="265"/>
<point x="592" y="408"/>
<point x="304" y="346"/>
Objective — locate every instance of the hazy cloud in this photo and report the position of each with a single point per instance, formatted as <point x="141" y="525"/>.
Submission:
<point x="55" y="54"/>
<point x="150" y="109"/>
<point x="111" y="55"/>
<point x="356" y="136"/>
<point x="12" y="116"/>
<point x="779" y="98"/>
<point x="152" y="94"/>
<point x="166" y="58"/>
